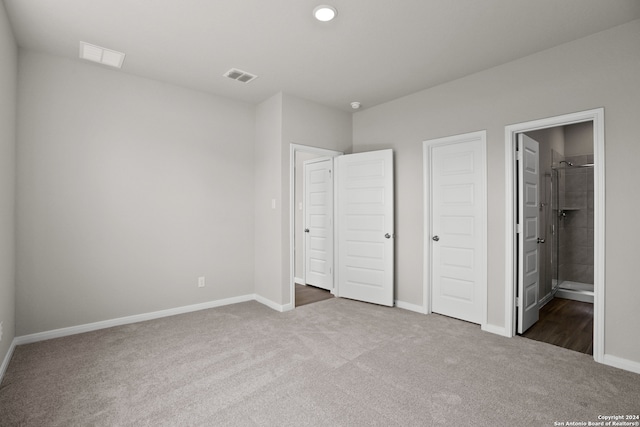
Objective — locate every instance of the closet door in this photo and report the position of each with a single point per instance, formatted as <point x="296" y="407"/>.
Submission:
<point x="318" y="222"/>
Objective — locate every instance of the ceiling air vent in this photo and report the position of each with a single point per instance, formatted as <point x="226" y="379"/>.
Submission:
<point x="239" y="75"/>
<point x="101" y="55"/>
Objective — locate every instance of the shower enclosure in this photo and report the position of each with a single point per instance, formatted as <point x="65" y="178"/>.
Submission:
<point x="571" y="220"/>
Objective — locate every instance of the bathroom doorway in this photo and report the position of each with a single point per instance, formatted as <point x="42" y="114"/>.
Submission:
<point x="543" y="232"/>
<point x="566" y="236"/>
<point x="566" y="211"/>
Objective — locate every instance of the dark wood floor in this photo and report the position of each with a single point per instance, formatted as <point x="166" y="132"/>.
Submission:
<point x="309" y="294"/>
<point x="565" y="323"/>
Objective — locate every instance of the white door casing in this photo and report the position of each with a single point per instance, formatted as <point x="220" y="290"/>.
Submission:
<point x="456" y="232"/>
<point x="365" y="206"/>
<point x="528" y="232"/>
<point x="596" y="116"/>
<point x="318" y="222"/>
<point x="294" y="149"/>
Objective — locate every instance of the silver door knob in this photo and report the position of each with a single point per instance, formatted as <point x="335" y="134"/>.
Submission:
<point x="435" y="238"/>
<point x="387" y="236"/>
<point x="540" y="240"/>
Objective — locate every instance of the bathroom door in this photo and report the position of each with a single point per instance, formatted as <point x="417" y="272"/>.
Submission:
<point x="528" y="232"/>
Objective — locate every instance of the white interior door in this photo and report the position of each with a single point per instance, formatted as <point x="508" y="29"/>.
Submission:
<point x="458" y="227"/>
<point x="366" y="226"/>
<point x="318" y="222"/>
<point x="528" y="232"/>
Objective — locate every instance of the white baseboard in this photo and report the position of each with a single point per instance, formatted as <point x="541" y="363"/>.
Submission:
<point x="411" y="307"/>
<point x="299" y="281"/>
<point x="7" y="359"/>
<point x="618" y="362"/>
<point x="548" y="297"/>
<point x="271" y="304"/>
<point x="63" y="332"/>
<point x="498" y="330"/>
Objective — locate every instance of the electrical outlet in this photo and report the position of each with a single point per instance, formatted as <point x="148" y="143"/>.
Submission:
<point x="201" y="282"/>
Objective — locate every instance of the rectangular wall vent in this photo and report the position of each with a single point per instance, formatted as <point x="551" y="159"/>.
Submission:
<point x="101" y="55"/>
<point x="239" y="75"/>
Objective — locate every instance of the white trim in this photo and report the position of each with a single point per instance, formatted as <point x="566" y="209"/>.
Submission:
<point x="7" y="359"/>
<point x="620" y="363"/>
<point x="599" y="236"/>
<point x="498" y="330"/>
<point x="271" y="304"/>
<point x="597" y="117"/>
<point x="427" y="147"/>
<point x="545" y="299"/>
<point x="336" y="248"/>
<point x="299" y="281"/>
<point x="411" y="307"/>
<point x="293" y="148"/>
<point x="88" y="327"/>
<point x="426" y="229"/>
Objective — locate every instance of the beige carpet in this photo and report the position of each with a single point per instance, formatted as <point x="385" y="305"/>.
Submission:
<point x="333" y="363"/>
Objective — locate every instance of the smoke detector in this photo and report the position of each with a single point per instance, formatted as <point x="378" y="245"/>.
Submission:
<point x="355" y="105"/>
<point x="239" y="75"/>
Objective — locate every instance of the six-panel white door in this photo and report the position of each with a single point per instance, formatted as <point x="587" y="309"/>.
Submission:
<point x="365" y="227"/>
<point x="318" y="222"/>
<point x="458" y="236"/>
<point x="528" y="232"/>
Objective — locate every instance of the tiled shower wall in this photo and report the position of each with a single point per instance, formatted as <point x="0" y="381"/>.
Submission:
<point x="576" y="228"/>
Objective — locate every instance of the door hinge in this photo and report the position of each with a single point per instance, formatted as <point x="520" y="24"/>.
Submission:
<point x="518" y="301"/>
<point x="518" y="228"/>
<point x="518" y="155"/>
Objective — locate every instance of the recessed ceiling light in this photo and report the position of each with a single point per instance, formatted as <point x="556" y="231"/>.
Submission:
<point x="101" y="55"/>
<point x="324" y="13"/>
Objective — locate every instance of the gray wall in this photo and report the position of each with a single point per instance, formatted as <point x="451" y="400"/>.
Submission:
<point x="311" y="124"/>
<point x="280" y="121"/>
<point x="579" y="139"/>
<point x="8" y="91"/>
<point x="268" y="223"/>
<point x="128" y="190"/>
<point x="602" y="70"/>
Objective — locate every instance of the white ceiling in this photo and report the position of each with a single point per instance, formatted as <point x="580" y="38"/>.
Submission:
<point x="373" y="52"/>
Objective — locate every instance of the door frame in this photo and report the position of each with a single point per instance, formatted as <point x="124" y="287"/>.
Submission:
<point x="293" y="149"/>
<point x="427" y="147"/>
<point x="597" y="117"/>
